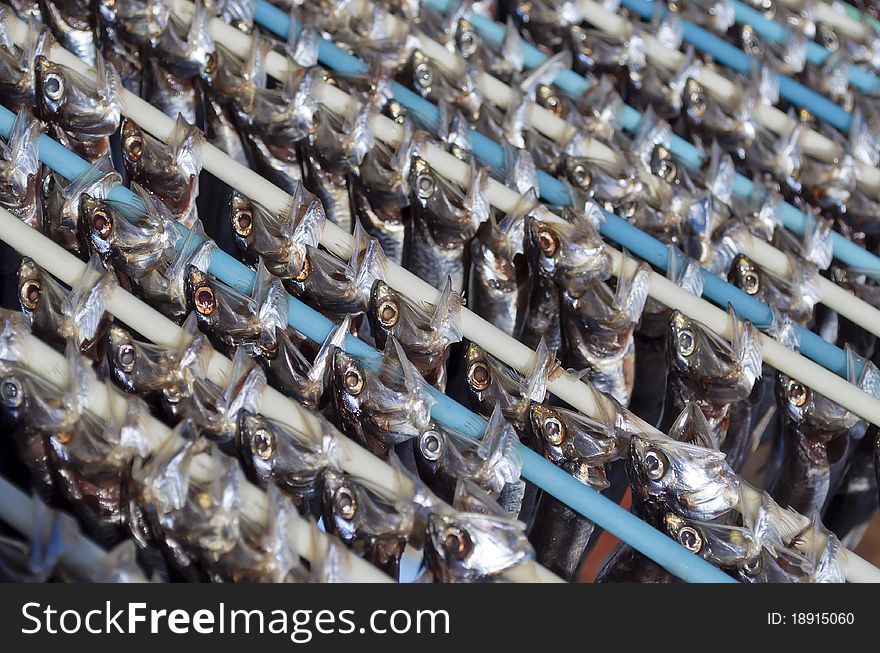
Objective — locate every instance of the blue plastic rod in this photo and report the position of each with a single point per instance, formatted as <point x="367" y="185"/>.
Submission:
<point x="581" y="498"/>
<point x="647" y="247"/>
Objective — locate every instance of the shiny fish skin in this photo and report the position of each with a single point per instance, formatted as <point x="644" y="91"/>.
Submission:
<point x="21" y="172"/>
<point x="18" y="68"/>
<point x="72" y="24"/>
<point x="497" y="288"/>
<point x="597" y="332"/>
<point x="690" y="476"/>
<point x="442" y="225"/>
<point x="816" y="440"/>
<point x="476" y="544"/>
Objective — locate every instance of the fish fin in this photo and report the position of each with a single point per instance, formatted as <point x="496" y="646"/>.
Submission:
<point x="446" y="318"/>
<point x="746" y="345"/>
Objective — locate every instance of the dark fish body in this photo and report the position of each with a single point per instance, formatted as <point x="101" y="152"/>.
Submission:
<point x="816" y="439"/>
<point x="380" y="195"/>
<point x="497" y="290"/>
<point x="627" y="565"/>
<point x="72" y="25"/>
<point x="850" y="509"/>
<point x="583" y="448"/>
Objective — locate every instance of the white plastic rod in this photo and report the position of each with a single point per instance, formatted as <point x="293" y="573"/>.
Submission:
<point x="476" y="329"/>
<point x="813" y="143"/>
<point x="762" y="253"/>
<point x="81" y="556"/>
<point x="154" y="326"/>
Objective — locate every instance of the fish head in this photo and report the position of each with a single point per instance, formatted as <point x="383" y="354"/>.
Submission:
<point x="478" y="371"/>
<point x="13" y="396"/>
<point x="572" y="254"/>
<point x="30" y="285"/>
<point x="471" y="547"/>
<point x="341" y="505"/>
<point x="432" y="446"/>
<point x="580" y="445"/>
<point x="810" y="412"/>
<point x="698" y="356"/>
<point x="692" y="481"/>
<point x="349" y="380"/>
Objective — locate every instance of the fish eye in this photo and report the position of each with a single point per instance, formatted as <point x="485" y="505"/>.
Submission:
<point x="102" y="222"/>
<point x="203" y="500"/>
<point x="797" y="392"/>
<point x="467" y="43"/>
<point x="581" y="176"/>
<point x="204" y="300"/>
<point x="243" y="222"/>
<point x="63" y="437"/>
<point x="690" y="539"/>
<point x="479" y="377"/>
<point x="305" y="272"/>
<point x="172" y="393"/>
<point x="134" y="145"/>
<point x="687" y="344"/>
<point x="750" y="282"/>
<point x="53" y="86"/>
<point x="554" y="431"/>
<point x="29" y="294"/>
<point x="211" y="64"/>
<point x="548" y="242"/>
<point x="425" y="186"/>
<point x="431" y="446"/>
<point x="263" y="443"/>
<point x="424" y="75"/>
<point x="11" y="393"/>
<point x="662" y="164"/>
<point x="344" y="502"/>
<point x="457" y="542"/>
<point x="353" y="380"/>
<point x="656" y="464"/>
<point x="388" y="313"/>
<point x="696" y="97"/>
<point x="125" y="357"/>
<point x="459" y="152"/>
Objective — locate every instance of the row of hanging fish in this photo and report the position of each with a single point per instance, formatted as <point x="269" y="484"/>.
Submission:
<point x="547" y="282"/>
